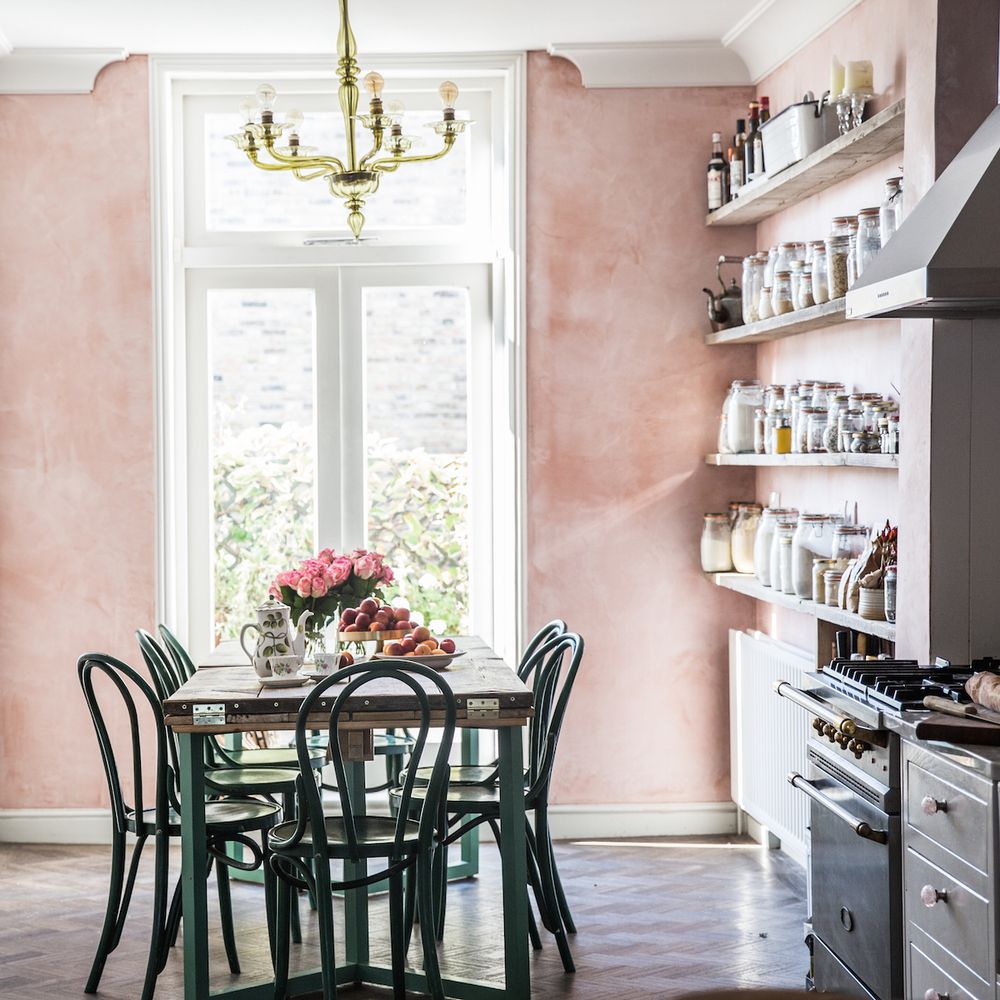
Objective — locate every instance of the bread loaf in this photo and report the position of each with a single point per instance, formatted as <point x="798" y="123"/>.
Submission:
<point x="984" y="689"/>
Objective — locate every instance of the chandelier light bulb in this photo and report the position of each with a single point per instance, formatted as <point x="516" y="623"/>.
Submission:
<point x="294" y="119"/>
<point x="248" y="108"/>
<point x="374" y="82"/>
<point x="449" y="94"/>
<point x="395" y="108"/>
<point x="265" y="96"/>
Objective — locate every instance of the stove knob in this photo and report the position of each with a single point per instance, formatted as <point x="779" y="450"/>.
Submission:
<point x="929" y="896"/>
<point x="857" y="748"/>
<point x="933" y="994"/>
<point x="818" y="726"/>
<point x="842" y="740"/>
<point x="829" y="732"/>
<point x="931" y="805"/>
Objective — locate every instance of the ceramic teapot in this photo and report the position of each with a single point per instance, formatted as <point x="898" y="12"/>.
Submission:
<point x="275" y="635"/>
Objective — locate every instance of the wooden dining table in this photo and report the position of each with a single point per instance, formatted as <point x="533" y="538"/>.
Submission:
<point x="226" y="696"/>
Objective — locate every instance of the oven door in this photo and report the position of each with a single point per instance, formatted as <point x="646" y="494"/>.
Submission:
<point x="856" y="884"/>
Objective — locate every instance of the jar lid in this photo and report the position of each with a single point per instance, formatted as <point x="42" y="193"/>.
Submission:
<point x="838" y="241"/>
<point x="813" y="518"/>
<point x="782" y="274"/>
<point x="745" y="383"/>
<point x="778" y="511"/>
<point x="868" y="213"/>
<point x="718" y="517"/>
<point x="766" y="288"/>
<point x="752" y="507"/>
<point x="852" y="225"/>
<point x="817" y="244"/>
<point x="787" y="525"/>
<point x="784" y="540"/>
<point x="796" y="265"/>
<point x="851" y="529"/>
<point x="894" y="180"/>
<point x="788" y="246"/>
<point x="841" y="220"/>
<point x="833" y="574"/>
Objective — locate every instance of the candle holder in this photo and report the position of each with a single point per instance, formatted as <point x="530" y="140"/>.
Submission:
<point x="851" y="110"/>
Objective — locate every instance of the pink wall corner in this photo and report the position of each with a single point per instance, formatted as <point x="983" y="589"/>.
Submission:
<point x="77" y="521"/>
<point x="623" y="400"/>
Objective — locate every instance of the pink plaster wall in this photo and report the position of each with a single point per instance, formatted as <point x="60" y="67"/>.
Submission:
<point x="77" y="473"/>
<point x="623" y="401"/>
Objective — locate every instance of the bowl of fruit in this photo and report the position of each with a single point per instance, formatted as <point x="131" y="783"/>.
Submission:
<point x="421" y="646"/>
<point x="374" y="621"/>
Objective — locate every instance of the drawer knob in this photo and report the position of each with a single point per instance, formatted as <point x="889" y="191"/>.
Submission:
<point x="933" y="994"/>
<point x="929" y="895"/>
<point x="931" y="805"/>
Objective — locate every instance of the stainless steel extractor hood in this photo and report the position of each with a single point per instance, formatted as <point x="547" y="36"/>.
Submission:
<point x="944" y="261"/>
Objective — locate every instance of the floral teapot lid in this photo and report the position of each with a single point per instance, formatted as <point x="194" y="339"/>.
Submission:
<point x="271" y="605"/>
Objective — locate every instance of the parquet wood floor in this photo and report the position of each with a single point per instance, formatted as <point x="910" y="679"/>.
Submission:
<point x="656" y="918"/>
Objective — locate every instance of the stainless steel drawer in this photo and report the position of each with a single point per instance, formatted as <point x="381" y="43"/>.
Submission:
<point x="928" y="981"/>
<point x="948" y="912"/>
<point x="953" y="817"/>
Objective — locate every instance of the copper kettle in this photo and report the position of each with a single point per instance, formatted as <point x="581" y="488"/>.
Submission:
<point x="725" y="310"/>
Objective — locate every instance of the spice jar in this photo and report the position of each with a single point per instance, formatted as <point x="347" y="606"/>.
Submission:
<point x="890" y="593"/>
<point x="892" y="431"/>
<point x="888" y="220"/>
<point x="807" y="415"/>
<point x="840" y="226"/>
<point x="837" y="251"/>
<point x="783" y="437"/>
<point x="852" y="257"/>
<point x="744" y="399"/>
<point x="764" y="303"/>
<point x="772" y="256"/>
<point x="765" y="539"/>
<point x="744" y="535"/>
<point x="820" y="288"/>
<point x="759" y="418"/>
<point x="869" y="239"/>
<point x="716" y="544"/>
<point x="812" y="538"/>
<point x="806" y="298"/>
<point x="820" y="566"/>
<point x="816" y="430"/>
<point x="781" y="293"/>
<point x="831" y="584"/>
<point x="784" y="530"/>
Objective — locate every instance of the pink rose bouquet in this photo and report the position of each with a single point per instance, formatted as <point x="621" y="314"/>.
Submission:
<point x="329" y="582"/>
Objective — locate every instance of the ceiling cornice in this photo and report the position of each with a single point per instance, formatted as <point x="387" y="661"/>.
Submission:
<point x="655" y="64"/>
<point x="54" y="71"/>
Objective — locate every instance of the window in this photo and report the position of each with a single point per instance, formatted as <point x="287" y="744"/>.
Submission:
<point x="336" y="395"/>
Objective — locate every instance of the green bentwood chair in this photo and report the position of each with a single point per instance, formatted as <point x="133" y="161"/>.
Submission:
<point x="160" y="818"/>
<point x="301" y="851"/>
<point x="552" y="684"/>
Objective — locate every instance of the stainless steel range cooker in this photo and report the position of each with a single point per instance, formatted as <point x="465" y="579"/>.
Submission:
<point x="855" y="859"/>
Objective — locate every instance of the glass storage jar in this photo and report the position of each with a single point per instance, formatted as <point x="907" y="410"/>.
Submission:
<point x="783" y="529"/>
<point x="795" y="269"/>
<point x="893" y="434"/>
<point x="869" y="241"/>
<point x="806" y="298"/>
<point x="816" y="429"/>
<point x="785" y="565"/>
<point x="852" y="256"/>
<point x="745" y="398"/>
<point x="838" y="249"/>
<point x="820" y="566"/>
<point x="890" y="593"/>
<point x="781" y="293"/>
<point x="716" y="544"/>
<point x="831" y="585"/>
<point x="849" y="541"/>
<point x="840" y="225"/>
<point x="744" y="536"/>
<point x="748" y="302"/>
<point x="765" y="538"/>
<point x="783" y="436"/>
<point x="819" y="280"/>
<point x="759" y="418"/>
<point x="888" y="222"/>
<point x="812" y="539"/>
<point x="764" y="303"/>
<point x="772" y="256"/>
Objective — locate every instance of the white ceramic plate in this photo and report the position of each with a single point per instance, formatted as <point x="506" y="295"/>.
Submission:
<point x="437" y="661"/>
<point x="295" y="680"/>
<point x="318" y="675"/>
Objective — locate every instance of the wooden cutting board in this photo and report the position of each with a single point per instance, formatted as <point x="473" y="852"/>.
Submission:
<point x="955" y="730"/>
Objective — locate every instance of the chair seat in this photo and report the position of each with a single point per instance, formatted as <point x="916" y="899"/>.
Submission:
<point x="375" y="837"/>
<point x="227" y="816"/>
<point x="461" y="774"/>
<point x="473" y="799"/>
<point x="385" y="744"/>
<point x="276" y="757"/>
<point x="251" y="780"/>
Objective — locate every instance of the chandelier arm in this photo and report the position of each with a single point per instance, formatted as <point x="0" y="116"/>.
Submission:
<point x="330" y="162"/>
<point x="377" y="135"/>
<point x="383" y="165"/>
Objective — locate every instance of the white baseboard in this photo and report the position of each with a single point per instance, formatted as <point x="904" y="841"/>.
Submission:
<point x="569" y="822"/>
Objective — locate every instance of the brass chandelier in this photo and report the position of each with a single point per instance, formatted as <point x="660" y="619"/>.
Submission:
<point x="352" y="178"/>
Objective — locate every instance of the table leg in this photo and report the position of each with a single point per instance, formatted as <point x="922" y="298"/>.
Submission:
<point x="194" y="866"/>
<point x="234" y="741"/>
<point x="469" y="865"/>
<point x="514" y="861"/>
<point x="356" y="900"/>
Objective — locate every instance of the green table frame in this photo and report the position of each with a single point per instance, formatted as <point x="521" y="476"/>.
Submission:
<point x="357" y="967"/>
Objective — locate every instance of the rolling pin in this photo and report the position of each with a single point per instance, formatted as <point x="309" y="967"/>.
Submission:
<point x="949" y="707"/>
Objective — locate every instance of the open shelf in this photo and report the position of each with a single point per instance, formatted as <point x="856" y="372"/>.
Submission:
<point x="746" y="583"/>
<point x="801" y="321"/>
<point x="870" y="142"/>
<point x="811" y="460"/>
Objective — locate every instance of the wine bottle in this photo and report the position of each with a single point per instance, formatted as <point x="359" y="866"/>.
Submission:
<point x="758" y="153"/>
<point x="737" y="161"/>
<point x="716" y="174"/>
<point x="752" y="144"/>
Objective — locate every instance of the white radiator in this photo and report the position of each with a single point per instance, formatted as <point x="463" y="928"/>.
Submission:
<point x="768" y="736"/>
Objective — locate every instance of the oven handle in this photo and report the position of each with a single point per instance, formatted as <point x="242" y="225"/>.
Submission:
<point x="860" y="827"/>
<point x="843" y="725"/>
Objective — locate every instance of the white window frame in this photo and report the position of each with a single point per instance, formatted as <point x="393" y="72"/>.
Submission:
<point x="174" y="76"/>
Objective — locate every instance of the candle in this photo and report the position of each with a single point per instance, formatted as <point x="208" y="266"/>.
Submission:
<point x="858" y="77"/>
<point x="836" y="78"/>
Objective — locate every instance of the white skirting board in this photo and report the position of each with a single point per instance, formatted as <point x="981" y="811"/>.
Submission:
<point x="569" y="822"/>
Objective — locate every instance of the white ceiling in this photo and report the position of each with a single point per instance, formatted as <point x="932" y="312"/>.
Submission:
<point x="386" y="26"/>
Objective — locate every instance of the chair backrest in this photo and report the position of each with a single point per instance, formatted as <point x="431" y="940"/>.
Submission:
<point x="130" y="688"/>
<point x="546" y="633"/>
<point x="166" y="678"/>
<point x="554" y="667"/>
<point x="359" y="676"/>
<point x="184" y="667"/>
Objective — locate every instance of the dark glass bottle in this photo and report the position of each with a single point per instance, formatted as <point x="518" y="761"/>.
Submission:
<point x="737" y="161"/>
<point x="716" y="174"/>
<point x="753" y="143"/>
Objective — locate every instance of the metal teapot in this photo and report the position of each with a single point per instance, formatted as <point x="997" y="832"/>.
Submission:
<point x="725" y="310"/>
